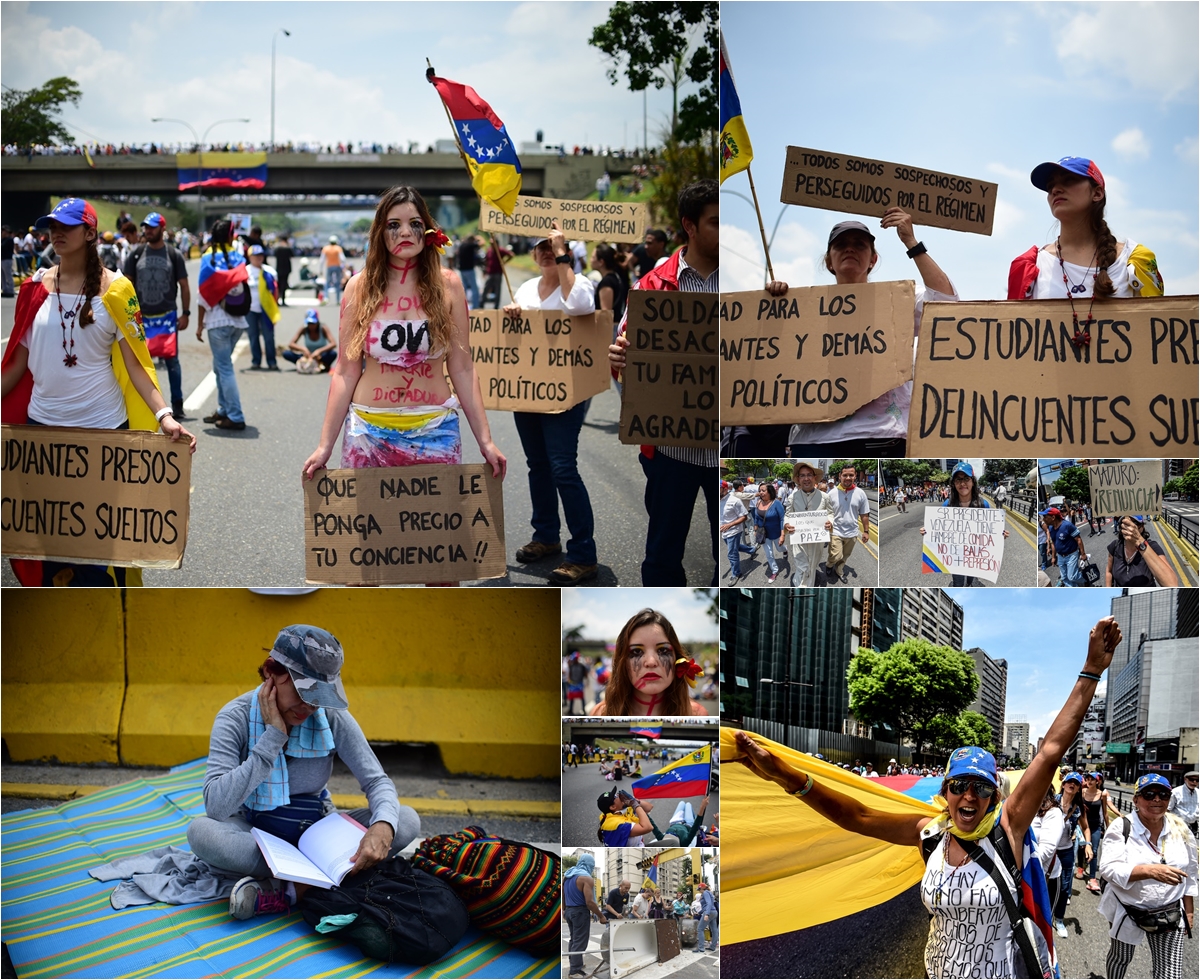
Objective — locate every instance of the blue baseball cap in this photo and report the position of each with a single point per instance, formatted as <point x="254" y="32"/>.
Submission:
<point x="69" y="211"/>
<point x="1096" y="775"/>
<point x="257" y="250"/>
<point x="1150" y="779"/>
<point x="154" y="220"/>
<point x="1040" y="177"/>
<point x="971" y="760"/>
<point x="314" y="659"/>
<point x="312" y="317"/>
<point x="1073" y="776"/>
<point x="962" y="468"/>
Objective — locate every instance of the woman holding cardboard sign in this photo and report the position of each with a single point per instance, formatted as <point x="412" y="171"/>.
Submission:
<point x="880" y="428"/>
<point x="964" y="493"/>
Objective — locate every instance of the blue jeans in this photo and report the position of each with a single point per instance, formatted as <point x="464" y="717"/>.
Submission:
<point x="1066" y="858"/>
<point x="333" y="282"/>
<point x="736" y="550"/>
<point x="221" y="341"/>
<point x="256" y="323"/>
<point x="961" y="581"/>
<point x="770" y="547"/>
<point x="1096" y="838"/>
<point x="174" y="379"/>
<point x="1068" y="570"/>
<point x="708" y="920"/>
<point x="1042" y="556"/>
<point x="471" y="285"/>
<point x="671" y="488"/>
<point x="579" y="921"/>
<point x="551" y="444"/>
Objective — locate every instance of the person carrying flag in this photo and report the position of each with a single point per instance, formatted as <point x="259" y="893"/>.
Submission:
<point x="981" y="867"/>
<point x="264" y="309"/>
<point x="225" y="299"/>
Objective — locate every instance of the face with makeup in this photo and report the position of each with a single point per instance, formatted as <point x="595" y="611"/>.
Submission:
<point x="404" y="231"/>
<point x="651" y="661"/>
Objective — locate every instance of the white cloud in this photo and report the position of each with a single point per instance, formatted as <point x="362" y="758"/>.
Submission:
<point x="742" y="265"/>
<point x="1188" y="150"/>
<point x="793" y="256"/>
<point x="1131" y="144"/>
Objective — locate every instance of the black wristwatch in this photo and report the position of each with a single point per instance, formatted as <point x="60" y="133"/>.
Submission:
<point x="1142" y="546"/>
<point x="565" y="259"/>
<point x="918" y="249"/>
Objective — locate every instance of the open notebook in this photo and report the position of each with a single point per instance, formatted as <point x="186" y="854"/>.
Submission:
<point x="323" y="856"/>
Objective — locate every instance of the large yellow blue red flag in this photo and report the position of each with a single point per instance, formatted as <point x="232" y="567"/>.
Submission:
<point x="684" y="777"/>
<point x="491" y="155"/>
<point x="736" y="152"/>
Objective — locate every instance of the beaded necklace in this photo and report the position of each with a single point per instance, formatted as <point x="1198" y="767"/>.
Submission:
<point x="70" y="359"/>
<point x="1082" y="337"/>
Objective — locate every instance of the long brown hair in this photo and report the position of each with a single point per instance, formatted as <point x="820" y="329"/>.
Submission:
<point x="93" y="279"/>
<point x="618" y="695"/>
<point x="373" y="280"/>
<point x="1106" y="246"/>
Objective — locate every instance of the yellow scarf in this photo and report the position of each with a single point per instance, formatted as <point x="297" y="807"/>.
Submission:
<point x="942" y="822"/>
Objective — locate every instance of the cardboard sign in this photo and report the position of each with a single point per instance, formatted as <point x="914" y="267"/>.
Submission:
<point x="403" y="525"/>
<point x="963" y="541"/>
<point x="1005" y="379"/>
<point x="606" y="221"/>
<point x="102" y="496"/>
<point x="669" y="393"/>
<point x="839" y="182"/>
<point x="814" y="354"/>
<point x="810" y="528"/>
<point x="542" y="361"/>
<point x="1118" y="489"/>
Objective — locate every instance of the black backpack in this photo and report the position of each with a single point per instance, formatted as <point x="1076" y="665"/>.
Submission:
<point x="404" y="915"/>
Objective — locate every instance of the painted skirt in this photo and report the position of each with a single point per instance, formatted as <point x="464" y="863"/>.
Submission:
<point x="390" y="437"/>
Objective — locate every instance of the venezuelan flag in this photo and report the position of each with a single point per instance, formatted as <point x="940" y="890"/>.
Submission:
<point x="736" y="151"/>
<point x="651" y="878"/>
<point x="648" y="731"/>
<point x="239" y="170"/>
<point x="220" y="271"/>
<point x="931" y="563"/>
<point x="491" y="155"/>
<point x="688" y="776"/>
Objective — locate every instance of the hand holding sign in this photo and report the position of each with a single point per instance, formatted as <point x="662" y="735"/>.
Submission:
<point x="808" y="529"/>
<point x="963" y="541"/>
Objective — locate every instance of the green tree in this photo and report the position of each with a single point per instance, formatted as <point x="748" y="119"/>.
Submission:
<point x="1188" y="482"/>
<point x="973" y="729"/>
<point x="783" y="470"/>
<point x="909" y="470"/>
<point x="30" y="116"/>
<point x="995" y="470"/>
<point x="571" y="637"/>
<point x="1073" y="484"/>
<point x="861" y="468"/>
<point x="713" y="596"/>
<point x="361" y="226"/>
<point x="909" y="686"/>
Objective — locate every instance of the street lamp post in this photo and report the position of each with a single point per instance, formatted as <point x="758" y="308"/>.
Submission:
<point x="200" y="158"/>
<point x="274" y="37"/>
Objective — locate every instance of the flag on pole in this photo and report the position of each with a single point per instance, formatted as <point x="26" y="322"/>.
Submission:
<point x="651" y="878"/>
<point x="688" y="776"/>
<point x="736" y="152"/>
<point x="648" y="731"/>
<point x="491" y="155"/>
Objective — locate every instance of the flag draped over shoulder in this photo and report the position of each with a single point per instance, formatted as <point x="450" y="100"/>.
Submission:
<point x="491" y="155"/>
<point x="647" y="731"/>
<point x="237" y="170"/>
<point x="688" y="776"/>
<point x="220" y="271"/>
<point x="736" y="152"/>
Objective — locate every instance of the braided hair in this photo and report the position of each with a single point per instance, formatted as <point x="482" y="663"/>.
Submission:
<point x="93" y="280"/>
<point x="1106" y="247"/>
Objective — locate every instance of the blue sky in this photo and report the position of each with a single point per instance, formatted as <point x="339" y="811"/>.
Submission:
<point x="980" y="90"/>
<point x="350" y="71"/>
<point x="603" y="612"/>
<point x="1042" y="633"/>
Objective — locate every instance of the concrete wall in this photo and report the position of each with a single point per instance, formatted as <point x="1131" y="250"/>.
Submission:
<point x="475" y="672"/>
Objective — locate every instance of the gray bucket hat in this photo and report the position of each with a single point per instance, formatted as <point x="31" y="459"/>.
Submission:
<point x="314" y="659"/>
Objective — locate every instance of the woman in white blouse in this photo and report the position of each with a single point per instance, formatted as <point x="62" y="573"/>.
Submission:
<point x="1149" y="862"/>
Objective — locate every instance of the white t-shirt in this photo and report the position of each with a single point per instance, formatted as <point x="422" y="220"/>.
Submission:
<point x="86" y="395"/>
<point x="255" y="274"/>
<point x="731" y="510"/>
<point x="847" y="509"/>
<point x="1049" y="283"/>
<point x="641" y="906"/>
<point x="579" y="302"/>
<point x="1047" y="830"/>
<point x="969" y="933"/>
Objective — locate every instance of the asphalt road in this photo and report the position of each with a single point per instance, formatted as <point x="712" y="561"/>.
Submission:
<point x="581" y="818"/>
<point x="688" y="965"/>
<point x="1096" y="547"/>
<point x="900" y="552"/>
<point x="247" y="514"/>
<point x="862" y="568"/>
<point x="889" y="941"/>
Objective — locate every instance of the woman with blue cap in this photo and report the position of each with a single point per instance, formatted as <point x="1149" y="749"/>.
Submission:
<point x="269" y="761"/>
<point x="1074" y="816"/>
<point x="579" y="905"/>
<point x="1135" y="559"/>
<point x="964" y="492"/>
<point x="981" y="867"/>
<point x="313" y="349"/>
<point x="1149" y="863"/>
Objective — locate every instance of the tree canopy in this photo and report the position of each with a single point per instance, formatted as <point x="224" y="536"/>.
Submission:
<point x="1073" y="484"/>
<point x="910" y="686"/>
<point x="995" y="470"/>
<point x="29" y="116"/>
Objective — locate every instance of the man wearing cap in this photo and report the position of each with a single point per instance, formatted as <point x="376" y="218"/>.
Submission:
<point x="1183" y="801"/>
<point x="264" y="311"/>
<point x="333" y="258"/>
<point x="158" y="273"/>
<point x="807" y="500"/>
<point x="708" y="920"/>
<point x="270" y="758"/>
<point x="1068" y="548"/>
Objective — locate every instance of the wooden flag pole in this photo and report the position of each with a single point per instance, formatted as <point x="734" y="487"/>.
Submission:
<point x="761" y="230"/>
<point x="463" y="155"/>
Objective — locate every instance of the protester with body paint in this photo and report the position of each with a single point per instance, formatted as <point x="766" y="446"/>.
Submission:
<point x="973" y="826"/>
<point x="403" y="320"/>
<point x="652" y="674"/>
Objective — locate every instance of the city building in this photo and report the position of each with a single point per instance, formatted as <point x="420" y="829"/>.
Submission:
<point x="892" y="615"/>
<point x="993" y="688"/>
<point x="1087" y="752"/>
<point x="1016" y="741"/>
<point x="631" y="864"/>
<point x="1150" y="615"/>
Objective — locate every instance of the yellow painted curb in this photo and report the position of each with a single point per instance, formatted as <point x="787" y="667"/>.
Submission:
<point x="1184" y="548"/>
<point x="537" y="809"/>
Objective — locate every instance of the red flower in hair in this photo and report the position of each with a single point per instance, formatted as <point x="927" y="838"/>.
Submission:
<point x="437" y="238"/>
<point x="687" y="668"/>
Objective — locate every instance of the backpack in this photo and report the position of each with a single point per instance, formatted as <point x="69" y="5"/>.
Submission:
<point x="399" y="913"/>
<point x="237" y="300"/>
<point x="108" y="257"/>
<point x="511" y="889"/>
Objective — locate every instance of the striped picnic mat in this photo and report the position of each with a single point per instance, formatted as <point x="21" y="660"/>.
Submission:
<point x="57" y="921"/>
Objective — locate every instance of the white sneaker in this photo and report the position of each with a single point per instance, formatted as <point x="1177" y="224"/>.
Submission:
<point x="1061" y="928"/>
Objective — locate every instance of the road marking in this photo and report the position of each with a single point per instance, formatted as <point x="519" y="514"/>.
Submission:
<point x="1170" y="550"/>
<point x="203" y="391"/>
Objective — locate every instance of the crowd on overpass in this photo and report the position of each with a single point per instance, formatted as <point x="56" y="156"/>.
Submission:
<point x="352" y="147"/>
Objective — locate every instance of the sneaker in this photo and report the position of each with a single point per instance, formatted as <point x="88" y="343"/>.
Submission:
<point x="251" y="897"/>
<point x="225" y="423"/>
<point x="771" y="578"/>
<point x="536" y="551"/>
<point x="568" y="573"/>
<point x="1093" y="886"/>
<point x="210" y="419"/>
<point x="255" y="367"/>
<point x="1061" y="928"/>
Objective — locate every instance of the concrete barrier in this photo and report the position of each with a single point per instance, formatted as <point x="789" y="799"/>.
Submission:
<point x="64" y="674"/>
<point x="475" y="672"/>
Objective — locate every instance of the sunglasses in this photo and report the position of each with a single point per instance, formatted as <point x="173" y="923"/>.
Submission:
<point x="983" y="790"/>
<point x="1155" y="794"/>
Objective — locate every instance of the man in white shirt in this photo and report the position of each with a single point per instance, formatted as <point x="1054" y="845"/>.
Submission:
<point x="851" y="520"/>
<point x="733" y="516"/>
<point x="1183" y="800"/>
<point x="807" y="499"/>
<point x="901" y="497"/>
